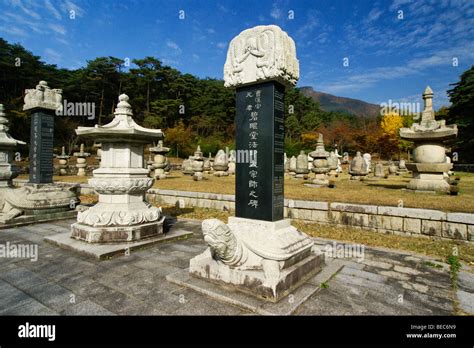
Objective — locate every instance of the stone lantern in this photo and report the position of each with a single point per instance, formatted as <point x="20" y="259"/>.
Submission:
<point x="320" y="162"/>
<point x="8" y="170"/>
<point x="63" y="158"/>
<point x="81" y="161"/>
<point x="429" y="154"/>
<point x="160" y="162"/>
<point x="122" y="213"/>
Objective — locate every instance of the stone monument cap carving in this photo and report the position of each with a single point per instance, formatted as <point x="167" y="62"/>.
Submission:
<point x="260" y="54"/>
<point x="43" y="97"/>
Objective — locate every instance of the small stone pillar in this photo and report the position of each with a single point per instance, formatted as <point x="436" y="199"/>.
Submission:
<point x="207" y="166"/>
<point x="160" y="162"/>
<point x="232" y="159"/>
<point x="221" y="164"/>
<point x="81" y="158"/>
<point x="302" y="165"/>
<point x="402" y="167"/>
<point x="392" y="168"/>
<point x="63" y="161"/>
<point x="292" y="166"/>
<point x="198" y="164"/>
<point x="358" y="168"/>
<point x="320" y="162"/>
<point x="98" y="155"/>
<point x="368" y="161"/>
<point x="333" y="162"/>
<point x="379" y="170"/>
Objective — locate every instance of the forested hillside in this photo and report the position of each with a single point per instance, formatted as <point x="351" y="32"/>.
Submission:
<point x="188" y="109"/>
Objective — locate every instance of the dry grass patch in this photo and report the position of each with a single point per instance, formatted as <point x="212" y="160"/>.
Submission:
<point x="420" y="245"/>
<point x="439" y="249"/>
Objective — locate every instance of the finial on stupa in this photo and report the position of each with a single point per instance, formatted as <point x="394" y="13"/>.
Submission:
<point x="123" y="107"/>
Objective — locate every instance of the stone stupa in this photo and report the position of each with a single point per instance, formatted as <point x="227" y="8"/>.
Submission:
<point x="429" y="153"/>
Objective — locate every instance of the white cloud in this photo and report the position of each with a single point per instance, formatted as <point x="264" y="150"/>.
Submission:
<point x="58" y="29"/>
<point x="69" y="6"/>
<point x="50" y="7"/>
<point x="221" y="45"/>
<point x="26" y="9"/>
<point x="414" y="66"/>
<point x="275" y="12"/>
<point x="13" y="30"/>
<point x="52" y="56"/>
<point x="397" y="4"/>
<point x="174" y="46"/>
<point x="374" y="14"/>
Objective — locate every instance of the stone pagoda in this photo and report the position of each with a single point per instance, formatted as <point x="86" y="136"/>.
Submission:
<point x="8" y="170"/>
<point x="63" y="161"/>
<point x="320" y="162"/>
<point x="81" y="159"/>
<point x="429" y="153"/>
<point x="160" y="161"/>
<point x="122" y="213"/>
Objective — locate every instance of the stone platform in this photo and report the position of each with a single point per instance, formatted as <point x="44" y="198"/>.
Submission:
<point x="103" y="251"/>
<point x="137" y="285"/>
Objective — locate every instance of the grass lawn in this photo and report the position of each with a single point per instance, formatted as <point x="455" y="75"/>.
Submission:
<point x="373" y="191"/>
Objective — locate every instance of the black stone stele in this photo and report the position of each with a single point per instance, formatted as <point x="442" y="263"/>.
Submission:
<point x="41" y="147"/>
<point x="260" y="128"/>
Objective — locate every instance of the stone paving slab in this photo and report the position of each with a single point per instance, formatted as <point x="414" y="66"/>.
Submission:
<point x="104" y="251"/>
<point x="384" y="282"/>
<point x="285" y="306"/>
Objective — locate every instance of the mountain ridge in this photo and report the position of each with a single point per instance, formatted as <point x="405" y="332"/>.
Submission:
<point x="330" y="102"/>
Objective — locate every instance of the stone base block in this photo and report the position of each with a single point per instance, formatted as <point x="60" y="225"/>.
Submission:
<point x="250" y="302"/>
<point x="104" y="251"/>
<point x="428" y="182"/>
<point x="262" y="258"/>
<point x="253" y="281"/>
<point x="99" y="234"/>
<point x="221" y="173"/>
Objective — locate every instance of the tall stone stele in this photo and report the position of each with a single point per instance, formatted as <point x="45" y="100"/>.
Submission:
<point x="429" y="153"/>
<point x="40" y="196"/>
<point x="258" y="251"/>
<point x="122" y="213"/>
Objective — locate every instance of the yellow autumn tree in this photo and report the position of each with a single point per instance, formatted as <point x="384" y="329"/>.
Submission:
<point x="391" y="123"/>
<point x="390" y="141"/>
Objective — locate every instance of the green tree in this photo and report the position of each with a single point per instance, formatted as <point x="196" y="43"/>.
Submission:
<point x="461" y="113"/>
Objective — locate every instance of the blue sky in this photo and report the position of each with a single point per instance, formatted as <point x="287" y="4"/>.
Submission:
<point x="389" y="57"/>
